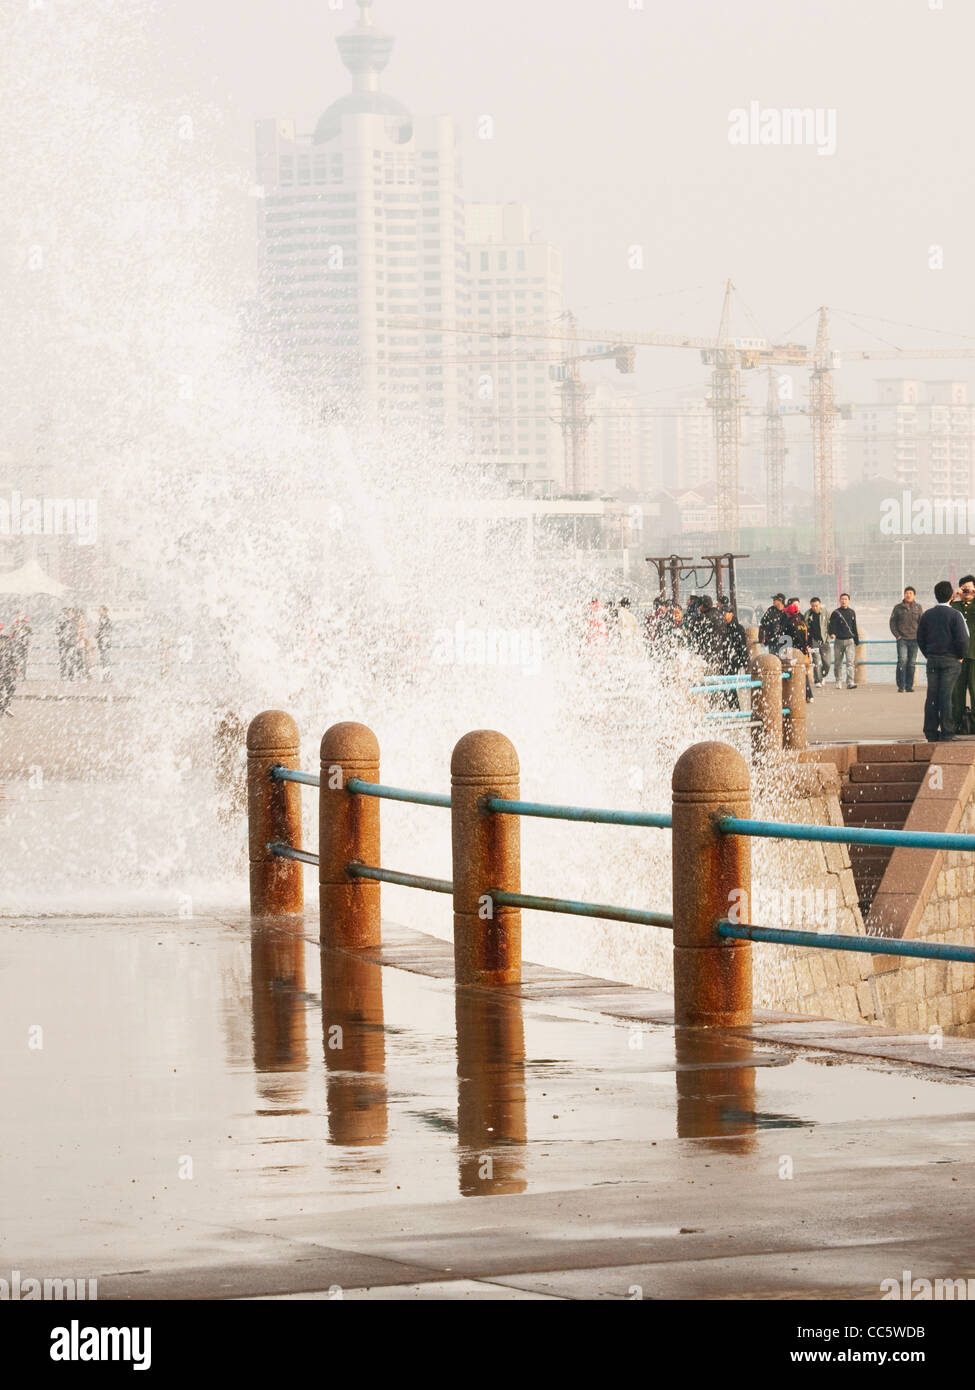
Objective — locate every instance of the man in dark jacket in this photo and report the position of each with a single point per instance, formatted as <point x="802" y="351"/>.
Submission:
<point x="904" y="619"/>
<point x="770" y="629"/>
<point x="846" y="638"/>
<point x="942" y="635"/>
<point x="818" y="640"/>
<point x="732" y="648"/>
<point x="964" y="601"/>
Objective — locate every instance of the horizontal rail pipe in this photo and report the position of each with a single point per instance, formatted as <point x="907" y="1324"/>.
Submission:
<point x="655" y="820"/>
<point x="280" y="851"/>
<point x="279" y="773"/>
<point x="357" y="787"/>
<point x="869" y="945"/>
<point x="845" y="834"/>
<point x="370" y="871"/>
<point x="574" y="909"/>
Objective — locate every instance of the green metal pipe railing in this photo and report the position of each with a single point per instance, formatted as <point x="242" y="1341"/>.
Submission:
<point x="357" y="787"/>
<point x="868" y="945"/>
<point x="432" y="885"/>
<point x="845" y="834"/>
<point x="287" y="774"/>
<point x="654" y="819"/>
<point x="576" y="909"/>
<point x="289" y="852"/>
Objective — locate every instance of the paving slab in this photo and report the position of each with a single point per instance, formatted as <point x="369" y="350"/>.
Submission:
<point x="215" y="1111"/>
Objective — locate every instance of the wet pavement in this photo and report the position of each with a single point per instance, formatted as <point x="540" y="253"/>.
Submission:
<point x="196" y="1109"/>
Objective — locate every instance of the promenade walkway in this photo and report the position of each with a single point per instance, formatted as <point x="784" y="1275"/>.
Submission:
<point x="868" y="714"/>
<point x="207" y="1117"/>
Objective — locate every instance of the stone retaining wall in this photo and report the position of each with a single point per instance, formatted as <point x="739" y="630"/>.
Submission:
<point x="925" y="895"/>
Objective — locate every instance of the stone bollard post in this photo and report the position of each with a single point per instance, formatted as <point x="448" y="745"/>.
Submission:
<point x="860" y="676"/>
<point x="794" y="700"/>
<point x="751" y="639"/>
<point x="711" y="881"/>
<point x="486" y="855"/>
<point x="348" y="832"/>
<point x="273" y="814"/>
<point x="767" y="703"/>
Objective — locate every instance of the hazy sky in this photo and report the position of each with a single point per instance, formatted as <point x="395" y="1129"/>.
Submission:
<point x="612" y="122"/>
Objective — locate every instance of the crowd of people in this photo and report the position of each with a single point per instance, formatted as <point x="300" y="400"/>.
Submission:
<point x="79" y="650"/>
<point x="943" y="635"/>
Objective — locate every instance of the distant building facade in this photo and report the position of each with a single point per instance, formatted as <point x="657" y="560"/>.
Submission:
<point x="921" y="435"/>
<point x="361" y="234"/>
<point x="516" y="282"/>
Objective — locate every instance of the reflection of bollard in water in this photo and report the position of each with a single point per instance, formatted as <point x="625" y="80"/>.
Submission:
<point x="715" y="1089"/>
<point x="277" y="1001"/>
<point x="354" y="1044"/>
<point x="273" y="814"/>
<point x="491" y="1125"/>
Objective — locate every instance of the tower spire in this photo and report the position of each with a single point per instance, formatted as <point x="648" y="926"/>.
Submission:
<point x="365" y="49"/>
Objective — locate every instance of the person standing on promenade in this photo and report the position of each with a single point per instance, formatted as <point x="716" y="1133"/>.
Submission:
<point x="818" y="640"/>
<point x="943" y="637"/>
<point x="770" y="629"/>
<point x="961" y="715"/>
<point x="801" y="640"/>
<point x="904" y="619"/>
<point x="103" y="641"/>
<point x="846" y="638"/>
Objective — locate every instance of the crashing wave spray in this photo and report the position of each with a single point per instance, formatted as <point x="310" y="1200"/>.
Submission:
<point x="330" y="570"/>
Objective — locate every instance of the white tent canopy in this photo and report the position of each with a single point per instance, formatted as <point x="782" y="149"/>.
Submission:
<point x="30" y="579"/>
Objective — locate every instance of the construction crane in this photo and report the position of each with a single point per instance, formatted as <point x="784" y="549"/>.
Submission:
<point x="822" y="411"/>
<point x="728" y="357"/>
<point x="774" y="454"/>
<point x="725" y="403"/>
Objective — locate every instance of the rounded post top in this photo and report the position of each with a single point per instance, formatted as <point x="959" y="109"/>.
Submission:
<point x="711" y="767"/>
<point x="349" y="743"/>
<point x="273" y="728"/>
<point x="484" y="753"/>
<point x="767" y="663"/>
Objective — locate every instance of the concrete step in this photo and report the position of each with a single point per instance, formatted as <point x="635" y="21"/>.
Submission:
<point x="912" y="773"/>
<point x="900" y="793"/>
<point x="880" y="815"/>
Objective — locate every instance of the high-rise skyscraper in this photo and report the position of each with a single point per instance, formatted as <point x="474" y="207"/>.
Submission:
<point x="362" y="233"/>
<point x="516" y="282"/>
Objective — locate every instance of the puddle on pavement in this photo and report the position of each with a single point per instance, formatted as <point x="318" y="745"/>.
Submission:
<point x="162" y="1077"/>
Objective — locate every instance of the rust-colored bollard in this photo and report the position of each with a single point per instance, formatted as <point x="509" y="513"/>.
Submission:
<point x="486" y="856"/>
<point x="273" y="814"/>
<point x="767" y="703"/>
<point x="711" y="882"/>
<point x="860" y="674"/>
<point x="348" y="833"/>
<point x="794" y="700"/>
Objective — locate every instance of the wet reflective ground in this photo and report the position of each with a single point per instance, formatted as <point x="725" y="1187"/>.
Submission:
<point x="168" y="1084"/>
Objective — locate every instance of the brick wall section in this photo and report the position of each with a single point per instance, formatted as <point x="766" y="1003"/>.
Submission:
<point x="924" y="894"/>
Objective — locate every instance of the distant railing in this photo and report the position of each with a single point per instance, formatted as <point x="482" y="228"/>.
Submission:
<point x="711" y="864"/>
